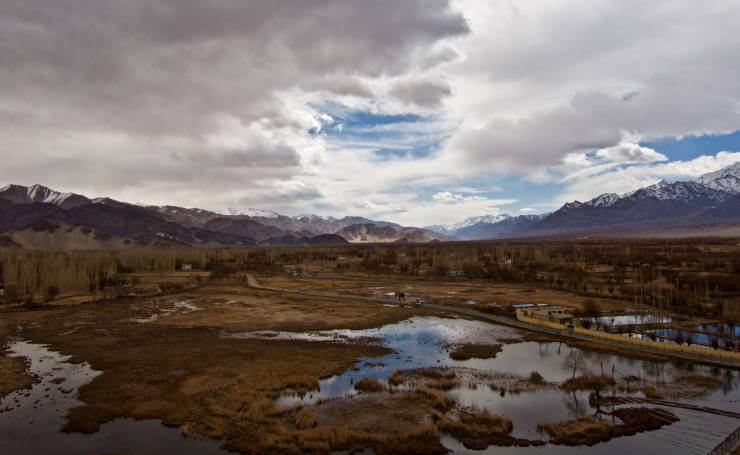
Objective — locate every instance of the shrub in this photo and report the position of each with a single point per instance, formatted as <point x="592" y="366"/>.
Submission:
<point x="536" y="378"/>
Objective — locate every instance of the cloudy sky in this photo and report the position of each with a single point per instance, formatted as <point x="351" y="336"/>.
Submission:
<point x="419" y="112"/>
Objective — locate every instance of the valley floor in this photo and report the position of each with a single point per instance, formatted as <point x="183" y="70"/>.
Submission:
<point x="222" y="361"/>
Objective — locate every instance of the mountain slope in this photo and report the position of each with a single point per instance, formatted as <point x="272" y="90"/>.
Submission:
<point x="243" y="227"/>
<point x="373" y="233"/>
<point x="712" y="197"/>
<point x="185" y="217"/>
<point x="323" y="239"/>
<point x="19" y="194"/>
<point x="726" y="179"/>
<point x="117" y="220"/>
<point x="510" y="226"/>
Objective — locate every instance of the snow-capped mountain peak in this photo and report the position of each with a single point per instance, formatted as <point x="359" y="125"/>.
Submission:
<point x="488" y="219"/>
<point x="41" y="194"/>
<point x="604" y="200"/>
<point x="725" y="179"/>
<point x="684" y="191"/>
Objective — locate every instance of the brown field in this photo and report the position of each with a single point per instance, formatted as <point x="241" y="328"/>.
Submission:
<point x="150" y="370"/>
<point x="168" y="347"/>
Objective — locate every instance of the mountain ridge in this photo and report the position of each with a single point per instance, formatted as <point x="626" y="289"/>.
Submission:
<point x="711" y="198"/>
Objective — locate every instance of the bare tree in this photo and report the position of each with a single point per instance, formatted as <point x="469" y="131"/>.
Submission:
<point x="574" y="361"/>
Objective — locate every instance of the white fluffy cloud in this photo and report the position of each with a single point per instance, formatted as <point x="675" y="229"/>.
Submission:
<point x="221" y="105"/>
<point x="624" y="179"/>
<point x="629" y="153"/>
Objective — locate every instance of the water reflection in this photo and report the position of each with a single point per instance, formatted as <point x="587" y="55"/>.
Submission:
<point x="422" y="342"/>
<point x="31" y="418"/>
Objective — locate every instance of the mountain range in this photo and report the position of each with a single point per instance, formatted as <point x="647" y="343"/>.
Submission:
<point x="666" y="208"/>
<point x="39" y="217"/>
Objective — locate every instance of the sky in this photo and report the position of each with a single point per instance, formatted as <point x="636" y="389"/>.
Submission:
<point x="419" y="112"/>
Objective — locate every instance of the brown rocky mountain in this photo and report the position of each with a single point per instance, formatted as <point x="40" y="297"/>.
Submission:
<point x="38" y="216"/>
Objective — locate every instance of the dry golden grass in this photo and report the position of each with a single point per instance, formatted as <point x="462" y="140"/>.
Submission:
<point x="236" y="308"/>
<point x="13" y="375"/>
<point x="305" y="418"/>
<point x="478" y="430"/>
<point x="586" y="431"/>
<point x="441" y="402"/>
<point x="588" y="382"/>
<point x="452" y="293"/>
<point x="475" y="351"/>
<point x="590" y="431"/>
<point x="369" y="385"/>
<point x="396" y="378"/>
<point x="188" y="376"/>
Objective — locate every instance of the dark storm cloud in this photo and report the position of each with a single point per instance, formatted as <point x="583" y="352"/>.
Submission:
<point x="422" y="93"/>
<point x="144" y="86"/>
<point x="160" y="66"/>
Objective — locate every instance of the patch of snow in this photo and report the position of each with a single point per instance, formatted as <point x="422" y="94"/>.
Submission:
<point x="685" y="191"/>
<point x="253" y="212"/>
<point x="604" y="200"/>
<point x="488" y="219"/>
<point x="310" y="216"/>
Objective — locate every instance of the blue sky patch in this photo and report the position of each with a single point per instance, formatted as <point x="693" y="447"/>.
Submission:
<point x="689" y="147"/>
<point x="388" y="135"/>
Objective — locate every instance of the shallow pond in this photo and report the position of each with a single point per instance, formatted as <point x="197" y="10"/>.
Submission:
<point x="632" y="319"/>
<point x="423" y="342"/>
<point x="668" y="335"/>
<point x="720" y="329"/>
<point x="30" y="417"/>
<point x="418" y="342"/>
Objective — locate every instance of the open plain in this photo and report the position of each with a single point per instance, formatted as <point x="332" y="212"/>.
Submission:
<point x="317" y="362"/>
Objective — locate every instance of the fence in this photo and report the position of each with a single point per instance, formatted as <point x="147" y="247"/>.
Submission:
<point x="728" y="359"/>
<point x="727" y="446"/>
